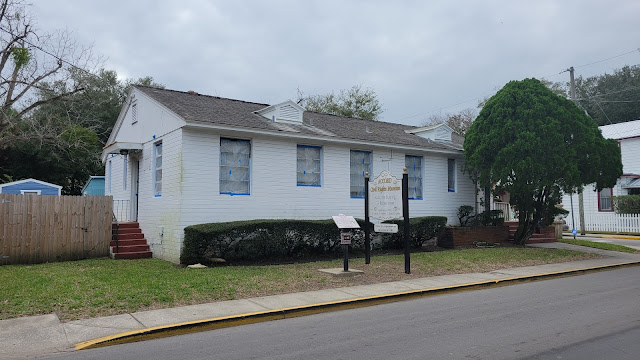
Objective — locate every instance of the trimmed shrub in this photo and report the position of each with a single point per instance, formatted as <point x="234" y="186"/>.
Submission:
<point x="270" y="240"/>
<point x="627" y="204"/>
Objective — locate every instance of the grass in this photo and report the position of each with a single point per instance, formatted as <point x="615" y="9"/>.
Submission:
<point x="599" y="245"/>
<point x="102" y="287"/>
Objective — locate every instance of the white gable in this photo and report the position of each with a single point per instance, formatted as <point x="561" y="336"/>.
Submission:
<point x="439" y="132"/>
<point x="286" y="112"/>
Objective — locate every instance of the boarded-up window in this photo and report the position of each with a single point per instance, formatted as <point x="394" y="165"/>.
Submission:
<point x="360" y="164"/>
<point x="414" y="174"/>
<point x="308" y="168"/>
<point x="235" y="161"/>
<point x="451" y="178"/>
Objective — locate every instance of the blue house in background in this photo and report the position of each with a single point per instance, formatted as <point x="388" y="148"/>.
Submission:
<point x="94" y="186"/>
<point x="30" y="186"/>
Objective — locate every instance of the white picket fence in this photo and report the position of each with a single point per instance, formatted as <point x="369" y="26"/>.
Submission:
<point x="612" y="222"/>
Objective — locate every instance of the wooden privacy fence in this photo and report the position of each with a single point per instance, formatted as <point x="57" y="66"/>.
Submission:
<point x="41" y="228"/>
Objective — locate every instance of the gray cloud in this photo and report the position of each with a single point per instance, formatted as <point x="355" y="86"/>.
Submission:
<point x="419" y="56"/>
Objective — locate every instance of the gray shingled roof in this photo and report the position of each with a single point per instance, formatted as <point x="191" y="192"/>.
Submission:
<point x="236" y="113"/>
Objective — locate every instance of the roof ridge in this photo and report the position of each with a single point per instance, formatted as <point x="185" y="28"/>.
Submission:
<point x="355" y="118"/>
<point x="198" y="94"/>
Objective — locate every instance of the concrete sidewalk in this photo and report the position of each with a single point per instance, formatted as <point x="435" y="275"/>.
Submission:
<point x="35" y="336"/>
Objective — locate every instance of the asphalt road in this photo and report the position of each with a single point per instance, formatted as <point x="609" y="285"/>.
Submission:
<point x="589" y="316"/>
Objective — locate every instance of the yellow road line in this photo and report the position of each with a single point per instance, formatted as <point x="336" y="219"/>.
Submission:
<point x="303" y="310"/>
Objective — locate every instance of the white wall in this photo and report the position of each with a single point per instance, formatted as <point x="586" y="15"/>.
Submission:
<point x="117" y="186"/>
<point x="153" y="119"/>
<point x="159" y="216"/>
<point x="275" y="195"/>
<point x="590" y="198"/>
<point x="630" y="149"/>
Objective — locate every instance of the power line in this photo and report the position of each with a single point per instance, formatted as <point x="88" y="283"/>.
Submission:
<point x="613" y="57"/>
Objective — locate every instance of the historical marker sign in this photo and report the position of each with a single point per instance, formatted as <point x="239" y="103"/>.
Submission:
<point x="385" y="197"/>
<point x="345" y="222"/>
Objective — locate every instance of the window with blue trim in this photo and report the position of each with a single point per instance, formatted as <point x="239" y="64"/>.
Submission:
<point x="235" y="161"/>
<point x="360" y="164"/>
<point x="308" y="168"/>
<point x="414" y="174"/>
<point x="157" y="169"/>
<point x="451" y="181"/>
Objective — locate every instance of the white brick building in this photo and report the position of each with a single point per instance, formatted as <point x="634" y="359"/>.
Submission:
<point x="176" y="159"/>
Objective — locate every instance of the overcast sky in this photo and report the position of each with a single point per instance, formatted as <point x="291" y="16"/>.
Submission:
<point x="420" y="57"/>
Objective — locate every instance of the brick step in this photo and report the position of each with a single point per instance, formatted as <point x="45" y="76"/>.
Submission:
<point x="126" y="225"/>
<point x="129" y="231"/>
<point x="128" y="236"/>
<point x="132" y="255"/>
<point x="129" y="242"/>
<point x="540" y="240"/>
<point x="130" y="248"/>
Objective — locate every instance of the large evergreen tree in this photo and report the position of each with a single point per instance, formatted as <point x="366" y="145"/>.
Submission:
<point x="535" y="145"/>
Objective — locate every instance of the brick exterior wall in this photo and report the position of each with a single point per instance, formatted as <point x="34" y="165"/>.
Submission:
<point x="453" y="237"/>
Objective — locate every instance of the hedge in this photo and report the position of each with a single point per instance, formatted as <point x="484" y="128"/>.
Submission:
<point x="275" y="240"/>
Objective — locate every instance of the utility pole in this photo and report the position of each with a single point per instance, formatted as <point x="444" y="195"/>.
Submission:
<point x="580" y="194"/>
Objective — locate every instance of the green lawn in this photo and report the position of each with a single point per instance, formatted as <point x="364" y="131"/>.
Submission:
<point x="599" y="245"/>
<point x="101" y="287"/>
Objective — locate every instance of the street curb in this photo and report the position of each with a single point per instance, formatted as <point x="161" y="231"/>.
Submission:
<point x="285" y="313"/>
<point x="620" y="237"/>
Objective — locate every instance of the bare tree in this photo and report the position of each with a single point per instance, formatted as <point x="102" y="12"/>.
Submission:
<point x="30" y="62"/>
<point x="459" y="122"/>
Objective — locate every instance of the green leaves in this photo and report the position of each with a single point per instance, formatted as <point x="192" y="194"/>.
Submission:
<point x="21" y="56"/>
<point x="355" y="102"/>
<point x="535" y="144"/>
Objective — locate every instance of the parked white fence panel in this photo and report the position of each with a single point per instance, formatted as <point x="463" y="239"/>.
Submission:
<point x="612" y="222"/>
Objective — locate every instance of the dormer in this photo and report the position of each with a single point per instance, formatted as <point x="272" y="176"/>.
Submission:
<point x="438" y="132"/>
<point x="287" y="112"/>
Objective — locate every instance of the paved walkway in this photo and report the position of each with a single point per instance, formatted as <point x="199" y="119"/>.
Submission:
<point x="28" y="337"/>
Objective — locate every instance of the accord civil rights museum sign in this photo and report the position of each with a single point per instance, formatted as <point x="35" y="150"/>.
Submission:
<point x="385" y="197"/>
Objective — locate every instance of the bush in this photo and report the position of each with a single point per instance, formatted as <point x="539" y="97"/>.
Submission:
<point x="627" y="204"/>
<point x="270" y="240"/>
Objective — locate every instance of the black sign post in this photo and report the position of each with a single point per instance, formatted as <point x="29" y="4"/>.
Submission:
<point x="367" y="232"/>
<point x="345" y="240"/>
<point x="405" y="214"/>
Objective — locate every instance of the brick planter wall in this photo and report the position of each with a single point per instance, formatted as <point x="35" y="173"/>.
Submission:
<point x="453" y="237"/>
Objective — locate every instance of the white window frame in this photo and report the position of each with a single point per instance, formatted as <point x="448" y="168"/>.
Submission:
<point x="228" y="167"/>
<point x="355" y="175"/>
<point x="416" y="175"/>
<point x="305" y="162"/>
<point x="31" y="192"/>
<point x="156" y="168"/>
<point x="452" y="177"/>
<point x="608" y="197"/>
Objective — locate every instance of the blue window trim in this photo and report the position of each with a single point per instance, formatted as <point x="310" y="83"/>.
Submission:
<point x="220" y="166"/>
<point x="311" y="147"/>
<point x="363" y="173"/>
<point x="422" y="178"/>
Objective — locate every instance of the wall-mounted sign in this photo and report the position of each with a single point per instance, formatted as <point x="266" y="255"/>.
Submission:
<point x="385" y="228"/>
<point x="345" y="238"/>
<point x="385" y="197"/>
